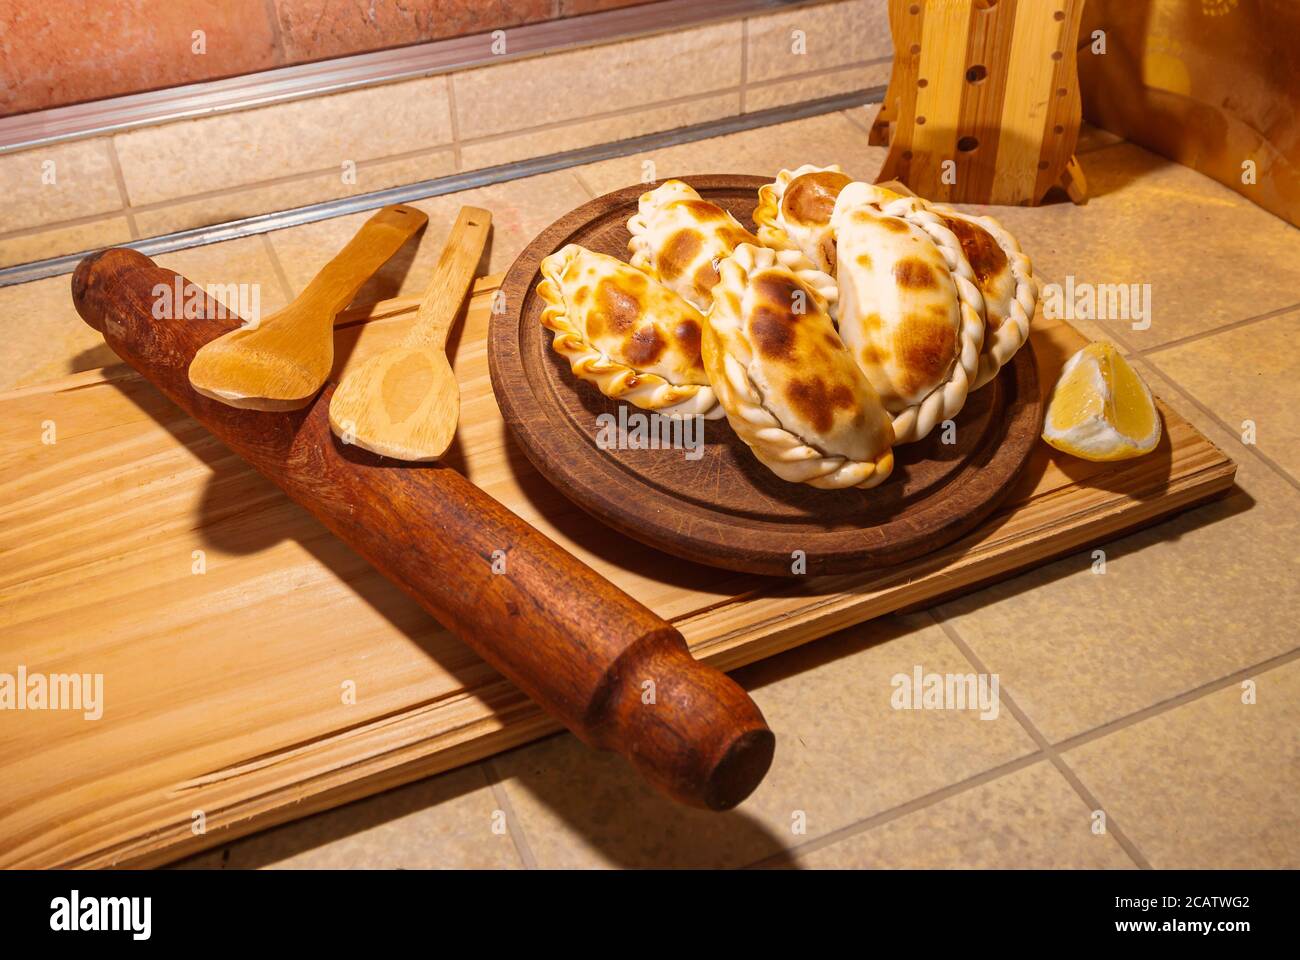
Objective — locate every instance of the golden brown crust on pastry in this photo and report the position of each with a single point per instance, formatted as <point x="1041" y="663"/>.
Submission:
<point x="625" y="332"/>
<point x="789" y="386"/>
<point x="810" y="198"/>
<point x="1005" y="282"/>
<point x="909" y="308"/>
<point x="794" y="211"/>
<point x="1005" y="278"/>
<point x="678" y="237"/>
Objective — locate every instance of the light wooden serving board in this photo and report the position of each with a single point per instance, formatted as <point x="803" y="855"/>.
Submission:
<point x="224" y="689"/>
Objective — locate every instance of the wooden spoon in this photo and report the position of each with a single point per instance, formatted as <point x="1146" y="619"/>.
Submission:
<point x="404" y="402"/>
<point x="282" y="362"/>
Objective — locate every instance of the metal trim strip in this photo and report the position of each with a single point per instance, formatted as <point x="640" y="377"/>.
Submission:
<point x="265" y="223"/>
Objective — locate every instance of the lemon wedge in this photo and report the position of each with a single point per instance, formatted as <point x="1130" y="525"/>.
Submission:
<point x="1101" y="409"/>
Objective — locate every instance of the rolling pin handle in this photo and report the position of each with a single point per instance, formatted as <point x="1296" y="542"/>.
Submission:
<point x="86" y="296"/>
<point x="686" y="727"/>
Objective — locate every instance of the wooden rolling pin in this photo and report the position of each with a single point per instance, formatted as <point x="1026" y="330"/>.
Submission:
<point x="576" y="644"/>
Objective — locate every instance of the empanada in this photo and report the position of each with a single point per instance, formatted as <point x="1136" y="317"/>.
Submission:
<point x="679" y="237"/>
<point x="1005" y="279"/>
<point x="1002" y="273"/>
<point x="795" y="211"/>
<point x="908" y="309"/>
<point x="622" y="330"/>
<point x="787" y="382"/>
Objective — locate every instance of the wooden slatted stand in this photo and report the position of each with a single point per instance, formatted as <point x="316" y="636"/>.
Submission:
<point x="983" y="102"/>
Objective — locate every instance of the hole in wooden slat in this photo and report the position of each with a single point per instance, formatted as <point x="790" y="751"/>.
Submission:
<point x="967" y="144"/>
<point x="923" y="82"/>
<point x="1057" y="54"/>
<point x="916" y="48"/>
<point x="920" y="121"/>
<point x="977" y="73"/>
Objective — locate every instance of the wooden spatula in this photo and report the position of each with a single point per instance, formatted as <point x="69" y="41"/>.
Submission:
<point x="282" y="363"/>
<point x="404" y="403"/>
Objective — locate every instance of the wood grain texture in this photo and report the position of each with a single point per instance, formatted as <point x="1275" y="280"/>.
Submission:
<point x="725" y="508"/>
<point x="988" y="89"/>
<point x="580" y="647"/>
<point x="222" y="689"/>
<point x="404" y="403"/>
<point x="282" y="362"/>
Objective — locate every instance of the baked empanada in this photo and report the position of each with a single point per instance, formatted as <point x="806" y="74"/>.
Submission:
<point x="1005" y="279"/>
<point x="795" y="211"/>
<point x="622" y="330"/>
<point x="1002" y="273"/>
<point x="679" y="237"/>
<point x="787" y="382"/>
<point x="908" y="310"/>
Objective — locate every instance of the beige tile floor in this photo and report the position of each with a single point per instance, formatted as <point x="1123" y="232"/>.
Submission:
<point x="1148" y="715"/>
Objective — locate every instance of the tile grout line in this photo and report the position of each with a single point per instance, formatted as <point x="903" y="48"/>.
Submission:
<point x="1206" y="334"/>
<point x="577" y="175"/>
<point x="455" y="123"/>
<point x="1251" y="448"/>
<point x="901" y="810"/>
<point x="287" y="180"/>
<point x="848" y="115"/>
<point x="857" y="127"/>
<point x="552" y="125"/>
<point x="1117" y="337"/>
<point x="744" y="60"/>
<point x="1142" y="356"/>
<point x="1048" y="749"/>
<point x="523" y="849"/>
<point x="277" y="38"/>
<point x="850" y="67"/>
<point x="285" y="287"/>
<point x="116" y="163"/>
<point x="53" y="225"/>
<point x="1165" y="706"/>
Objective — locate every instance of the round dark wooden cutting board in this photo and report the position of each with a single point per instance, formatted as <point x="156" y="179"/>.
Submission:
<point x="725" y="508"/>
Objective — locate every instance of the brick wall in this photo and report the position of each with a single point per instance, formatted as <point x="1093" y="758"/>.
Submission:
<point x="52" y="54"/>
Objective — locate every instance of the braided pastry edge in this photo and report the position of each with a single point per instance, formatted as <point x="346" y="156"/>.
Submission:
<point x="946" y="400"/>
<point x="785" y="453"/>
<point x="616" y="380"/>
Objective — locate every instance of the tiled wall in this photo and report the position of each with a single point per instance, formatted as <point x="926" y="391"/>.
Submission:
<point x="74" y="196"/>
<point x="49" y="58"/>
